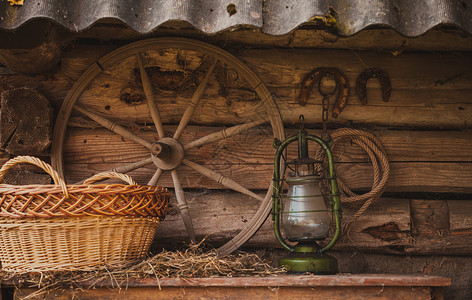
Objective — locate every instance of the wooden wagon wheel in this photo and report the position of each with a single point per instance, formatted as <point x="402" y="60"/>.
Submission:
<point x="189" y="64"/>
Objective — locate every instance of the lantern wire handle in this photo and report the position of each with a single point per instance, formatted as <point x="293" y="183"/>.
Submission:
<point x="301" y="122"/>
<point x="335" y="195"/>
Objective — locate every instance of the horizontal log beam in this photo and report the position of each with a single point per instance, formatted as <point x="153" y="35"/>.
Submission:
<point x="400" y="145"/>
<point x="404" y="177"/>
<point x="428" y="90"/>
<point x="219" y="215"/>
<point x="419" y="160"/>
<point x="393" y="226"/>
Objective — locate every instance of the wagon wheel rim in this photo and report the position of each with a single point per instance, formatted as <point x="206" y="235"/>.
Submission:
<point x="168" y="153"/>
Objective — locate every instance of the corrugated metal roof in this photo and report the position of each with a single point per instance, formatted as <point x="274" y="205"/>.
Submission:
<point x="276" y="17"/>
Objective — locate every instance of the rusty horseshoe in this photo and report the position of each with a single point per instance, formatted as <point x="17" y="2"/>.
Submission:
<point x="383" y="78"/>
<point x="315" y="77"/>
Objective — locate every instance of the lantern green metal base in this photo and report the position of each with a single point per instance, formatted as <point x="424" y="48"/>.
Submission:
<point x="306" y="259"/>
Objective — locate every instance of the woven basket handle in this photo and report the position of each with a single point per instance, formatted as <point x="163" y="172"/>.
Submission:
<point x="108" y="175"/>
<point x="39" y="163"/>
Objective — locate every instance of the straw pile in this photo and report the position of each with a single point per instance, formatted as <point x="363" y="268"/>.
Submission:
<point x="192" y="262"/>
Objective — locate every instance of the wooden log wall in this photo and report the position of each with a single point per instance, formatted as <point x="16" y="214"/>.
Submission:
<point x="425" y="129"/>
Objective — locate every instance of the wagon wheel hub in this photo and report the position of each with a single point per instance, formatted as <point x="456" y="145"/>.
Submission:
<point x="167" y="153"/>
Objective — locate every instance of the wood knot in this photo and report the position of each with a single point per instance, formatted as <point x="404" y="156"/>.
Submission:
<point x="131" y="99"/>
<point x="385" y="232"/>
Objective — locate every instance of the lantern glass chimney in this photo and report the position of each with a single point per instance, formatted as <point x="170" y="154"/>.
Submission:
<point x="304" y="216"/>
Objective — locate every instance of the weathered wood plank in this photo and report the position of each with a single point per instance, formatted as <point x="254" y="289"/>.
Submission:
<point x="430" y="234"/>
<point x="453" y="267"/>
<point x="404" y="177"/>
<point x="284" y="280"/>
<point x="383" y="39"/>
<point x="359" y="286"/>
<point x="409" y="70"/>
<point x="428" y="90"/>
<point x="419" y="85"/>
<point x="423" y="108"/>
<point x="219" y="215"/>
<point x="257" y="293"/>
<point x="356" y="262"/>
<point x="286" y="67"/>
<point x="381" y="228"/>
<point x="419" y="161"/>
<point x="412" y="177"/>
<point x="386" y="227"/>
<point x="460" y="215"/>
<point x="401" y="146"/>
<point x="428" y="107"/>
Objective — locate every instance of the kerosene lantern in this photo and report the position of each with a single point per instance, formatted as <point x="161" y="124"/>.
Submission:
<point x="302" y="211"/>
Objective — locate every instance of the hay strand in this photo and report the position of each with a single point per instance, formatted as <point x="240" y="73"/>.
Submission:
<point x="193" y="262"/>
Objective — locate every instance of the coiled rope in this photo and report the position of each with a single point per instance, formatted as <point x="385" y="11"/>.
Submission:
<point x="381" y="167"/>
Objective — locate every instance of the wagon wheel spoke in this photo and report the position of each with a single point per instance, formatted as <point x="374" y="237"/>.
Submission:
<point x="151" y="99"/>
<point x="183" y="207"/>
<point x="231" y="184"/>
<point x="223" y="134"/>
<point x="125" y="168"/>
<point x="155" y="177"/>
<point x="110" y="125"/>
<point x="194" y="102"/>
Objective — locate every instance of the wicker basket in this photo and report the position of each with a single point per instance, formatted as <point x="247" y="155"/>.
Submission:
<point x="76" y="227"/>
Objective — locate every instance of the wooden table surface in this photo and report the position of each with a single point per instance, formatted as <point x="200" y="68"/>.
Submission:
<point x="341" y="286"/>
<point x="289" y="281"/>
